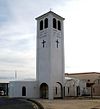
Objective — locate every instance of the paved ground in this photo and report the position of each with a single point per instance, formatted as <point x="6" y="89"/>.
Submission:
<point x="13" y="103"/>
<point x="18" y="103"/>
<point x="71" y="104"/>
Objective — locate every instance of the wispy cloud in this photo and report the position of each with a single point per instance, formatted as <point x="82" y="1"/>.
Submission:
<point x="18" y="33"/>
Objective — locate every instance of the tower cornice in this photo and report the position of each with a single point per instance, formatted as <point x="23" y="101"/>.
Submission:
<point x="50" y="12"/>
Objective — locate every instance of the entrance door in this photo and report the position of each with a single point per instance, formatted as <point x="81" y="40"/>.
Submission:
<point x="44" y="90"/>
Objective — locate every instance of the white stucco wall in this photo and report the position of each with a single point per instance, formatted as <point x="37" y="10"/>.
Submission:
<point x="15" y="89"/>
<point x="72" y="84"/>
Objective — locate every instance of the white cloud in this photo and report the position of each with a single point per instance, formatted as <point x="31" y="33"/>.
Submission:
<point x="18" y="33"/>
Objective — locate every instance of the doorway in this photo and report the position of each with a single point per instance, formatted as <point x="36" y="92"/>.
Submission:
<point x="44" y="91"/>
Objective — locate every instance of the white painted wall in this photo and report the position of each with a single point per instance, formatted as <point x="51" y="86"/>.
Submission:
<point x="43" y="54"/>
<point x="15" y="89"/>
<point x="72" y="85"/>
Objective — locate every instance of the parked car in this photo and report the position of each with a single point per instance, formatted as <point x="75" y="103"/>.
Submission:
<point x="2" y="93"/>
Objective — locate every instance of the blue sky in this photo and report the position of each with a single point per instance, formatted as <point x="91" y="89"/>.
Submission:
<point x="18" y="34"/>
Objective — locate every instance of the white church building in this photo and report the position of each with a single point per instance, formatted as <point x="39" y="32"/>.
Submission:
<point x="50" y="78"/>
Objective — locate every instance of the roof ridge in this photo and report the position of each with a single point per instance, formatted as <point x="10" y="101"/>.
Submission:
<point x="82" y="73"/>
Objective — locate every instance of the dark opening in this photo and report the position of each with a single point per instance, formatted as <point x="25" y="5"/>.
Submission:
<point x="46" y="23"/>
<point x="41" y="25"/>
<point x="59" y="25"/>
<point x="64" y="91"/>
<point x="23" y="91"/>
<point x="54" y="23"/>
<point x="56" y="90"/>
<point x="89" y="84"/>
<point x="68" y="90"/>
<point x="44" y="90"/>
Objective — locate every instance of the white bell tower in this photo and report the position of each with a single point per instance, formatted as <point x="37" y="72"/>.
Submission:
<point x="50" y="55"/>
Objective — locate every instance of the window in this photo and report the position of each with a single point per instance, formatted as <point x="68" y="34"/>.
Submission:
<point x="41" y="25"/>
<point x="54" y="23"/>
<point x="59" y="25"/>
<point x="46" y="23"/>
<point x="23" y="91"/>
<point x="68" y="90"/>
<point x="56" y="90"/>
<point x="88" y="80"/>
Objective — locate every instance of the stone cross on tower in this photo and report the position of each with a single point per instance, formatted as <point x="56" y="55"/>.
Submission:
<point x="43" y="42"/>
<point x="57" y="42"/>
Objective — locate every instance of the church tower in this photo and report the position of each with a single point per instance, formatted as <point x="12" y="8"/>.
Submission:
<point x="50" y="55"/>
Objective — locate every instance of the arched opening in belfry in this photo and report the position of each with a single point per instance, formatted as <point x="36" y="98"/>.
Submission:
<point x="41" y="25"/>
<point x="59" y="25"/>
<point x="46" y="23"/>
<point x="54" y="23"/>
<point x="44" y="91"/>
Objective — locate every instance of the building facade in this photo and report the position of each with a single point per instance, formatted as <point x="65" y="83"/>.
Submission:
<point x="75" y="87"/>
<point x="92" y="80"/>
<point x="49" y="61"/>
<point x="23" y="88"/>
<point x="50" y="77"/>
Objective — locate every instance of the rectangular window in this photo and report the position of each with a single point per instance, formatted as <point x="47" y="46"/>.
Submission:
<point x="68" y="90"/>
<point x="56" y="90"/>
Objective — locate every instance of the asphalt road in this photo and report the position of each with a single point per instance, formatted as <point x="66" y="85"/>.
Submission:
<point x="15" y="103"/>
